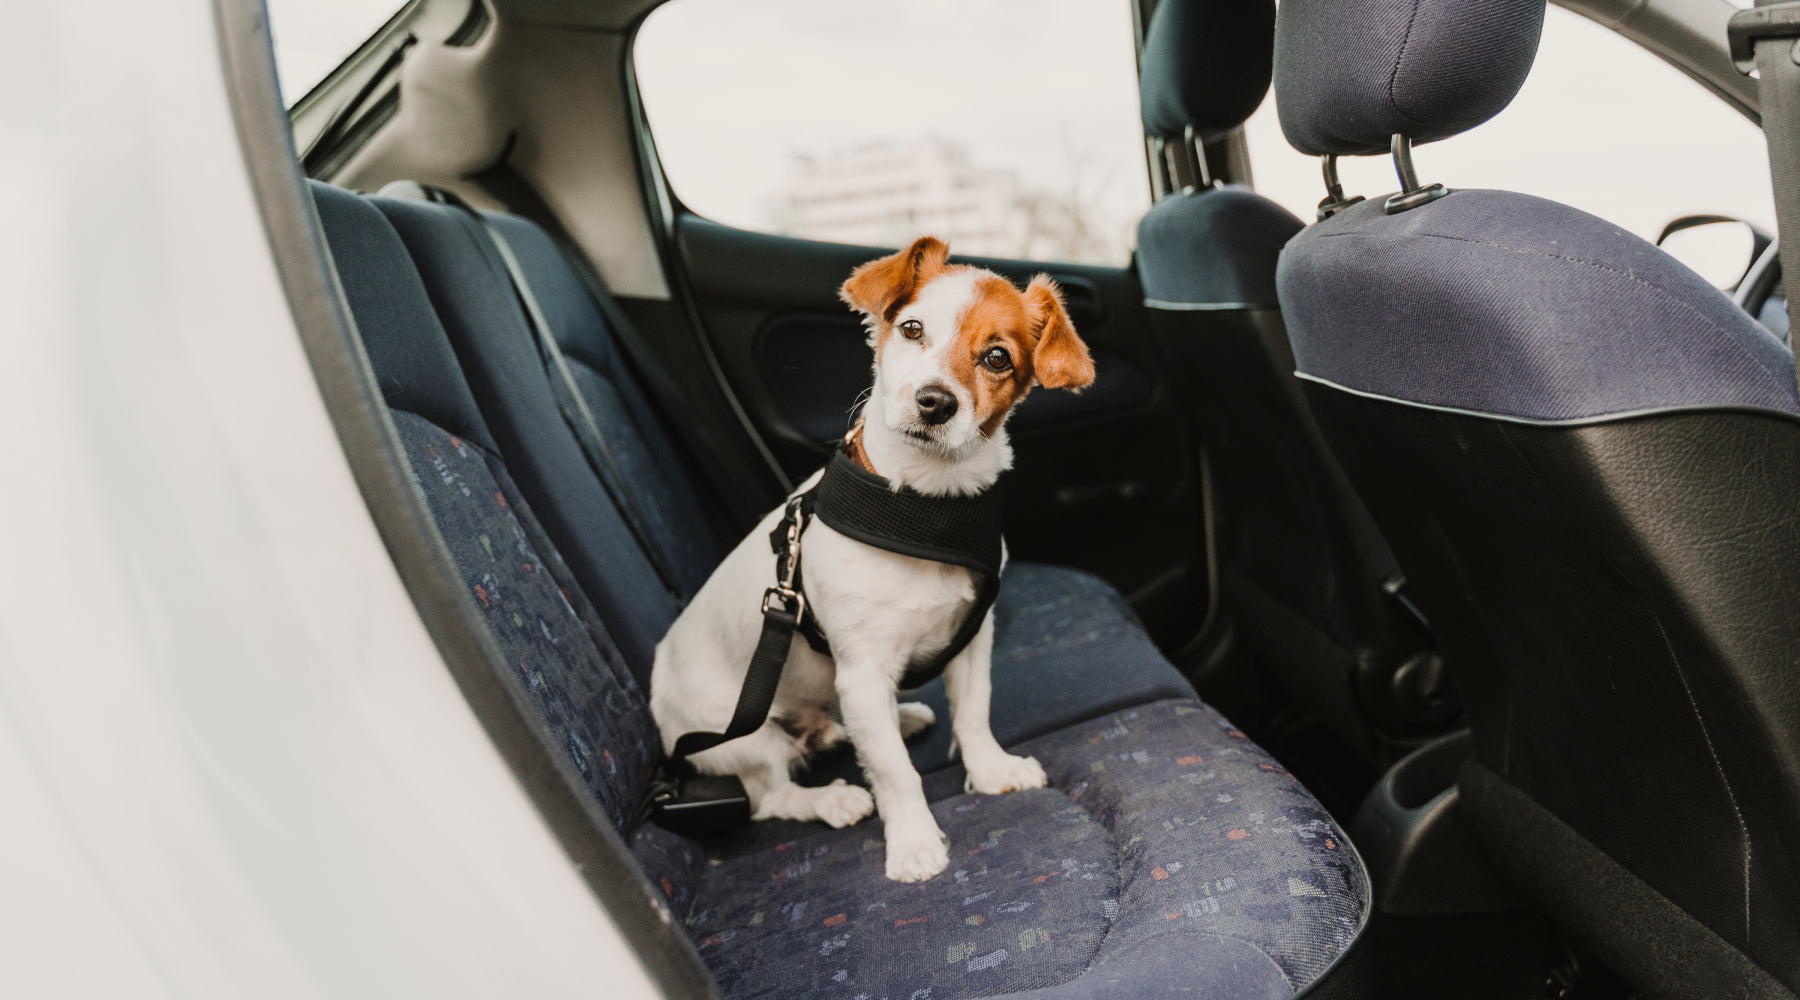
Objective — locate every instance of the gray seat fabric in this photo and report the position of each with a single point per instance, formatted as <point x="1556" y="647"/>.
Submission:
<point x="1585" y="456"/>
<point x="1426" y="68"/>
<point x="1611" y="325"/>
<point x="1301" y="565"/>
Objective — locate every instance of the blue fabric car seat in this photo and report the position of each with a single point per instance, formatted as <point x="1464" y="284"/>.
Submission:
<point x="1170" y="856"/>
<point x="1586" y="458"/>
<point x="1303" y="571"/>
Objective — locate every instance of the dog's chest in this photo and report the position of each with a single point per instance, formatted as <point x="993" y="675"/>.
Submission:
<point x="912" y="604"/>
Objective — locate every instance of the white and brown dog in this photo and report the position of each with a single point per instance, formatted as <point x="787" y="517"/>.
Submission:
<point x="956" y="348"/>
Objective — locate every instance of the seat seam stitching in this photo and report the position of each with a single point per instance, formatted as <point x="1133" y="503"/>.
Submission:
<point x="1718" y="765"/>
<point x="1399" y="59"/>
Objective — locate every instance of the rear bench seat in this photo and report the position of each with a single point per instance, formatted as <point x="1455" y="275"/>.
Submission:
<point x="1169" y="853"/>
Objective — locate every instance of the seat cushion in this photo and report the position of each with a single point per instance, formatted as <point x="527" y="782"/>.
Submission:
<point x="1067" y="648"/>
<point x="1168" y="852"/>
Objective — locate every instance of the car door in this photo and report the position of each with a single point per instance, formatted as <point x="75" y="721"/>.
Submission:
<point x="1011" y="132"/>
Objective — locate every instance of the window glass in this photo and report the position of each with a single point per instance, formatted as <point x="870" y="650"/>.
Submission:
<point x="1008" y="127"/>
<point x="1601" y="124"/>
<point x="313" y="36"/>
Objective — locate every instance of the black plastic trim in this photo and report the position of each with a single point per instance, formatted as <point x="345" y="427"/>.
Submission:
<point x="472" y="27"/>
<point x="372" y="448"/>
<point x="357" y="134"/>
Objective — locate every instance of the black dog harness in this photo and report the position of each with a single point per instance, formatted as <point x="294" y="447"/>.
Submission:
<point x="958" y="530"/>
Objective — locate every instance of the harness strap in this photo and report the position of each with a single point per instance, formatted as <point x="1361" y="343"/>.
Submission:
<point x="783" y="608"/>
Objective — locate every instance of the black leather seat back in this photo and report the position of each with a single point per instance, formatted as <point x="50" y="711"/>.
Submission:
<point x="1585" y="457"/>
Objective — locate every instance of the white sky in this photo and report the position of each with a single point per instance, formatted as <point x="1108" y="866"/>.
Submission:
<point x="1047" y="87"/>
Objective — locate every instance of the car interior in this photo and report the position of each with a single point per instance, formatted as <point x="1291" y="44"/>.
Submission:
<point x="1410" y="608"/>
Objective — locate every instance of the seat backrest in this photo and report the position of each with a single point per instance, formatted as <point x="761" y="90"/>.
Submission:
<point x="562" y="662"/>
<point x="1585" y="456"/>
<point x="1301" y="563"/>
<point x="499" y="356"/>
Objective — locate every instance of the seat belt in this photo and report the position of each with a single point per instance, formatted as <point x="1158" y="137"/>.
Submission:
<point x="719" y="462"/>
<point x="1766" y="38"/>
<point x="573" y="405"/>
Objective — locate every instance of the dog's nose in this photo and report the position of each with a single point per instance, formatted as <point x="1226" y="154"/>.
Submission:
<point x="936" y="404"/>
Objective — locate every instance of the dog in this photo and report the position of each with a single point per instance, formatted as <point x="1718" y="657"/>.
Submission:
<point x="956" y="348"/>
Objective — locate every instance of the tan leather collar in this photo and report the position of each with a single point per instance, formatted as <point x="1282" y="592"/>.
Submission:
<point x="853" y="447"/>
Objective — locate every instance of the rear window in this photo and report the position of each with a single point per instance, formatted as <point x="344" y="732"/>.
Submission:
<point x="313" y="36"/>
<point x="1008" y="127"/>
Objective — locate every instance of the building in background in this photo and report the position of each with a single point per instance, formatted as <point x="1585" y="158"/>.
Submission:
<point x="887" y="194"/>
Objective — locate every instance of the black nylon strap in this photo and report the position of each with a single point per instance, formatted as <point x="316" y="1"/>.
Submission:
<point x="1778" y="89"/>
<point x="780" y="620"/>
<point x="760" y="682"/>
<point x="573" y="405"/>
<point x="959" y="530"/>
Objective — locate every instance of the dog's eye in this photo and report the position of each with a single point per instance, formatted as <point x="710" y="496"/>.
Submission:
<point x="997" y="359"/>
<point x="912" y="329"/>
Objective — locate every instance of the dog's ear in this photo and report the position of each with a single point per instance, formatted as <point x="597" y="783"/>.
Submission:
<point x="881" y="287"/>
<point x="1059" y="360"/>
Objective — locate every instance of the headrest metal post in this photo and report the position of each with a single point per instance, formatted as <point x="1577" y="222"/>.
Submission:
<point x="1198" y="176"/>
<point x="1160" y="170"/>
<point x="1411" y="194"/>
<point x="1334" y="201"/>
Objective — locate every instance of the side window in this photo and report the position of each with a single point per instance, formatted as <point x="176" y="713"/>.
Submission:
<point x="1601" y="124"/>
<point x="313" y="36"/>
<point x="1008" y="127"/>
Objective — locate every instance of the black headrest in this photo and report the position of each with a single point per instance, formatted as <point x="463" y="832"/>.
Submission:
<point x="1206" y="64"/>
<point x="1349" y="74"/>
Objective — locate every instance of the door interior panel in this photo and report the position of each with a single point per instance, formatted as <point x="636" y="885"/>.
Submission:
<point x="1104" y="480"/>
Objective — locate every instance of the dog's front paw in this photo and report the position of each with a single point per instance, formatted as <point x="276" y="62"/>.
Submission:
<point x="915" y="718"/>
<point x="1004" y="773"/>
<point x="840" y="805"/>
<point x="915" y="857"/>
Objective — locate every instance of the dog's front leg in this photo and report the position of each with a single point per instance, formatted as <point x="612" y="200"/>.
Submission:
<point x="991" y="770"/>
<point x="916" y="848"/>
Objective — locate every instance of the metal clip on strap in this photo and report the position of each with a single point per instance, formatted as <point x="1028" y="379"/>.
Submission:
<point x="688" y="803"/>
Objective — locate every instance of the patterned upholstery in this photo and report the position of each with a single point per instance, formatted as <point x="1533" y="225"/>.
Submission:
<point x="562" y="660"/>
<point x="1067" y="648"/>
<point x="1165" y="833"/>
<point x="1169" y="854"/>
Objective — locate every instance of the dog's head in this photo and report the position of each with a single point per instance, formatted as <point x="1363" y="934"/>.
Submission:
<point x="957" y="347"/>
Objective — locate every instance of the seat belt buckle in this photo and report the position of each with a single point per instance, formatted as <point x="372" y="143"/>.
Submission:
<point x="1755" y="24"/>
<point x="699" y="804"/>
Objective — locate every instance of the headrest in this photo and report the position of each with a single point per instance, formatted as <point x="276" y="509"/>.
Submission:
<point x="1349" y="74"/>
<point x="1206" y="64"/>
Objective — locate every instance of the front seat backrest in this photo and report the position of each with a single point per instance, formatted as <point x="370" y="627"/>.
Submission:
<point x="1587" y="459"/>
<point x="1301" y="565"/>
